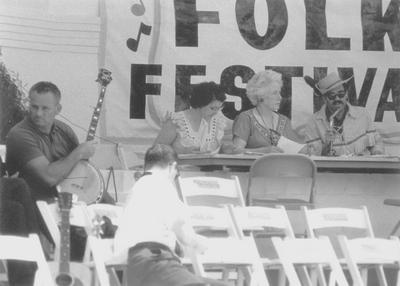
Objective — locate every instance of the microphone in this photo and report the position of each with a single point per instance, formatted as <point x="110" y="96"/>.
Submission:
<point x="332" y="152"/>
<point x="313" y="84"/>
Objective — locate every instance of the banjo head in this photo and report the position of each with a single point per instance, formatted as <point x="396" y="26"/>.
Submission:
<point x="86" y="182"/>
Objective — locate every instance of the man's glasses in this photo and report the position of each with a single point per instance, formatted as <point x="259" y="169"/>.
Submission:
<point x="332" y="95"/>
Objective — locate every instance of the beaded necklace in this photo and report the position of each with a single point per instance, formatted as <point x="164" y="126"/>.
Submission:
<point x="273" y="135"/>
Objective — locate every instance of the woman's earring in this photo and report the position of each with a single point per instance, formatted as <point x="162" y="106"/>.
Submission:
<point x="261" y="100"/>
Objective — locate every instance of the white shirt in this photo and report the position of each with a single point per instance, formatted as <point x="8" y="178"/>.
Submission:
<point x="149" y="214"/>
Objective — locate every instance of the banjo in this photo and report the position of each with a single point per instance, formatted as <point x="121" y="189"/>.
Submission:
<point x="86" y="180"/>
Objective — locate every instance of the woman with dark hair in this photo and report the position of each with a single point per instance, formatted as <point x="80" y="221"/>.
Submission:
<point x="196" y="130"/>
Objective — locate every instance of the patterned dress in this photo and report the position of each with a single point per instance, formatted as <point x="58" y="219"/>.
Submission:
<point x="206" y="139"/>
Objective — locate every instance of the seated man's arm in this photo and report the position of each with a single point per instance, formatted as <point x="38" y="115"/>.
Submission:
<point x="378" y="148"/>
<point x="313" y="140"/>
<point x="54" y="172"/>
<point x="187" y="236"/>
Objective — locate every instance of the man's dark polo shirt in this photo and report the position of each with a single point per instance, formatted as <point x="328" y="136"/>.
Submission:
<point x="26" y="142"/>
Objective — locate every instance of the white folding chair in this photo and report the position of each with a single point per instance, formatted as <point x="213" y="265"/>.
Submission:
<point x="210" y="191"/>
<point x="282" y="179"/>
<point x="26" y="249"/>
<point x="310" y="253"/>
<point x="81" y="216"/>
<point x="51" y="216"/>
<point x="101" y="250"/>
<point x="352" y="222"/>
<point x="227" y="252"/>
<point x="265" y="222"/>
<point x="324" y="218"/>
<point x="262" y="220"/>
<point x="364" y="251"/>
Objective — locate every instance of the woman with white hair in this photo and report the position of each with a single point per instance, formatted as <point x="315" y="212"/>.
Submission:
<point x="259" y="129"/>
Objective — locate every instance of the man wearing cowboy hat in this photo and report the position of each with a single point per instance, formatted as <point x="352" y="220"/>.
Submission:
<point x="339" y="128"/>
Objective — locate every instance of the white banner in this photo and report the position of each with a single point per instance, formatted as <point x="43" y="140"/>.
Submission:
<point x="157" y="48"/>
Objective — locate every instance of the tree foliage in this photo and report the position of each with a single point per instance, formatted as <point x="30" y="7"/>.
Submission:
<point x="12" y="101"/>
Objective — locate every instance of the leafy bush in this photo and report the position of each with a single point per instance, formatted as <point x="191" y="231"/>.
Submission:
<point x="12" y="101"/>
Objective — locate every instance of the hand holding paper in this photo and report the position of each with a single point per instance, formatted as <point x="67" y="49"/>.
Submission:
<point x="289" y="146"/>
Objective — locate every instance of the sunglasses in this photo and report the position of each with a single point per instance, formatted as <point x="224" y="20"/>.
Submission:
<point x="332" y="96"/>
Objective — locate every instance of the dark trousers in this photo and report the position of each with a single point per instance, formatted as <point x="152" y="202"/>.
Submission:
<point x="18" y="217"/>
<point x="153" y="264"/>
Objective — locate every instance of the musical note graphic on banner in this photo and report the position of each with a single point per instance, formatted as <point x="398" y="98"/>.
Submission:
<point x="138" y="9"/>
<point x="134" y="44"/>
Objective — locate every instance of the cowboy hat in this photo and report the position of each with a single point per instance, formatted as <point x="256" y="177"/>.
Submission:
<point x="329" y="82"/>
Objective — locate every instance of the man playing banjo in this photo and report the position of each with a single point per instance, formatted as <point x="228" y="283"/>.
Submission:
<point x="44" y="150"/>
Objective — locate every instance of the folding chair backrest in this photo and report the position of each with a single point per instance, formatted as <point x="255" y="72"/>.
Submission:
<point x="228" y="251"/>
<point x="208" y="219"/>
<point x="211" y="191"/>
<point x="353" y="223"/>
<point x="258" y="219"/>
<point x="26" y="249"/>
<point x="311" y="251"/>
<point x="282" y="176"/>
<point x="323" y="218"/>
<point x="52" y="221"/>
<point x="364" y="251"/>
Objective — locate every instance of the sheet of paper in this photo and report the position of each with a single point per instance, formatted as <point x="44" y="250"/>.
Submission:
<point x="289" y="146"/>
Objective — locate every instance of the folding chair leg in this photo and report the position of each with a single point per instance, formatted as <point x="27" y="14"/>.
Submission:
<point x="303" y="276"/>
<point x="240" y="278"/>
<point x="395" y="229"/>
<point x="364" y="275"/>
<point x="282" y="277"/>
<point x="320" y="275"/>
<point x="381" y="276"/>
<point x="114" y="279"/>
<point x="314" y="276"/>
<point x="225" y="274"/>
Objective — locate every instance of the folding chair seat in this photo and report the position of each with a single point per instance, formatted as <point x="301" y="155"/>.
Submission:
<point x="26" y="249"/>
<point x="282" y="179"/>
<point x="311" y="252"/>
<point x="354" y="223"/>
<point x="364" y="251"/>
<point x="227" y="252"/>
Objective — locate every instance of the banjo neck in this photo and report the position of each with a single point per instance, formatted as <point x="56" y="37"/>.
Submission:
<point x="96" y="115"/>
<point x="104" y="79"/>
<point x="85" y="180"/>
